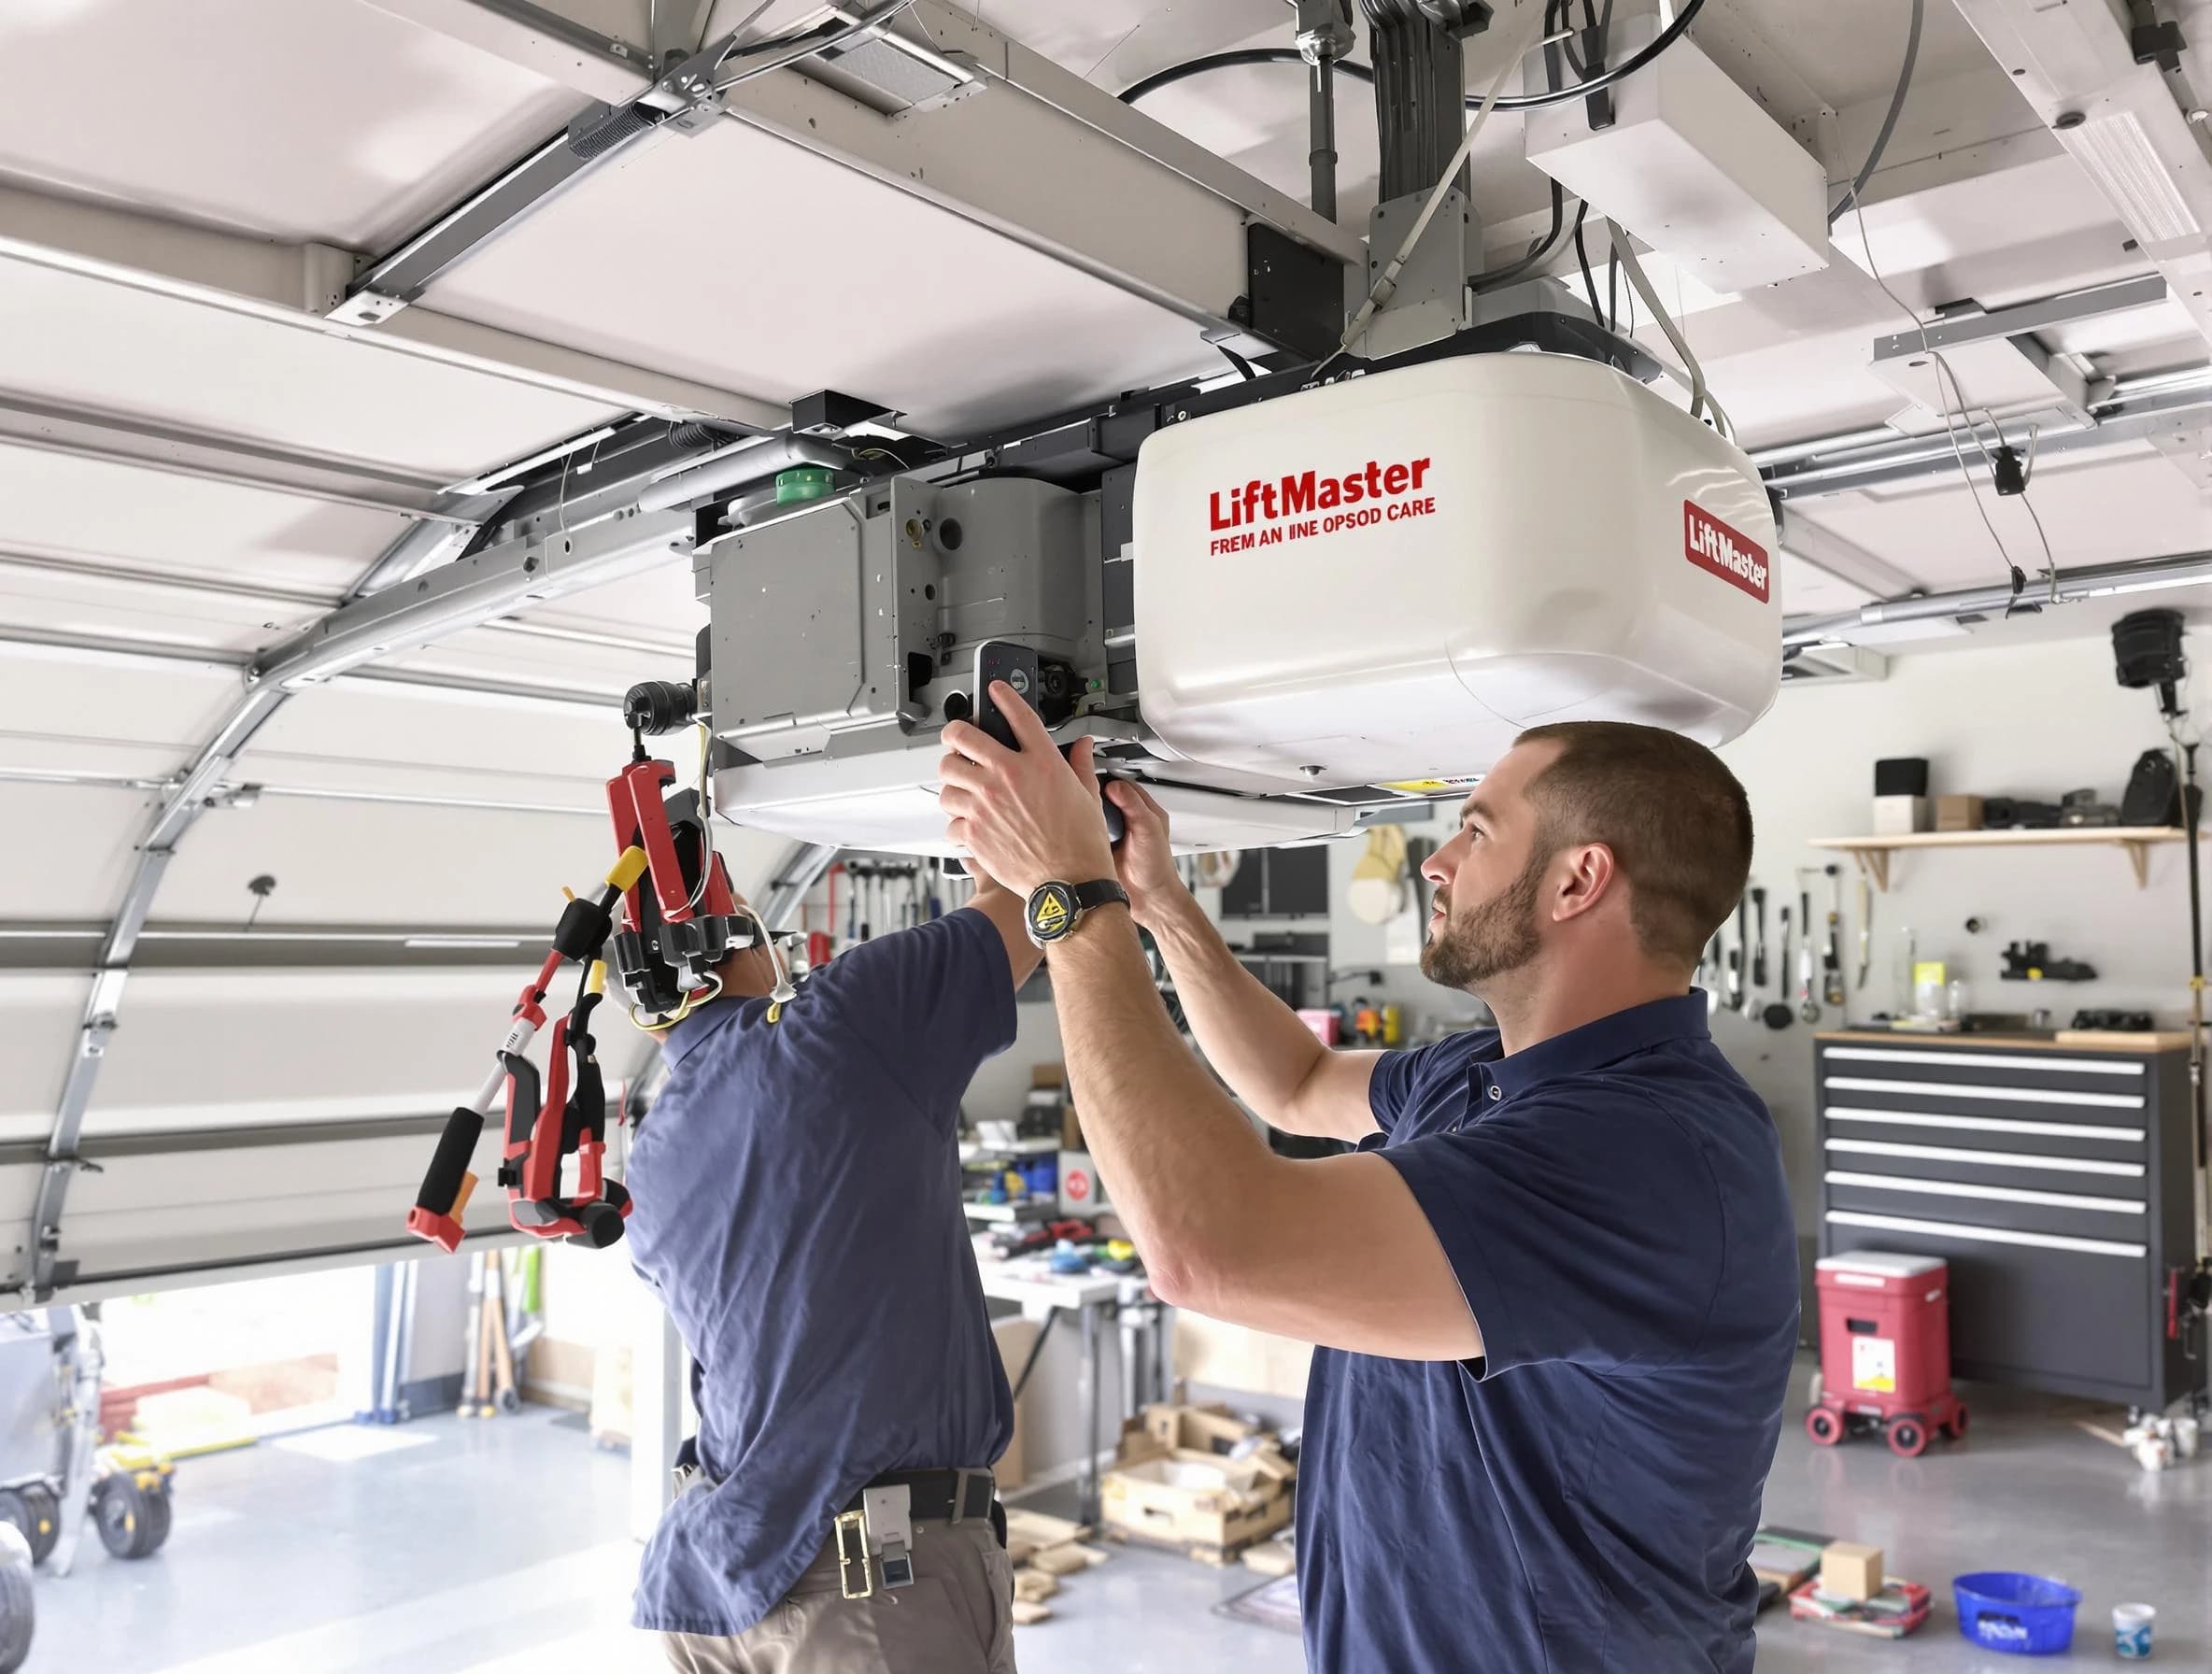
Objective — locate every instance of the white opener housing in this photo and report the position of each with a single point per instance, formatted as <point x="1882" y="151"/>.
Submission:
<point x="1387" y="580"/>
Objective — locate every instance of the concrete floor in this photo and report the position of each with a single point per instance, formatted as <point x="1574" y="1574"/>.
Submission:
<point x="488" y="1547"/>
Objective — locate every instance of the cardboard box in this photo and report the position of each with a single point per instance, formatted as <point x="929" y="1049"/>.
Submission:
<point x="1193" y="1499"/>
<point x="1900" y="816"/>
<point x="1177" y="1483"/>
<point x="1958" y="814"/>
<point x="1850" y="1571"/>
<point x="1015" y="1337"/>
<point x="1211" y="1430"/>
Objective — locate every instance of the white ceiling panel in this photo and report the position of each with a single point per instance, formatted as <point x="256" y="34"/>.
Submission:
<point x="98" y="346"/>
<point x="300" y="120"/>
<point x="54" y="505"/>
<point x="793" y="274"/>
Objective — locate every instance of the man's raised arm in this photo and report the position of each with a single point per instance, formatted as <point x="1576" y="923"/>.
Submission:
<point x="1255" y="1042"/>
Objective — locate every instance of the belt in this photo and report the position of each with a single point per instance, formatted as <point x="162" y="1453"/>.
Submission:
<point x="938" y="1495"/>
<point x="932" y="1495"/>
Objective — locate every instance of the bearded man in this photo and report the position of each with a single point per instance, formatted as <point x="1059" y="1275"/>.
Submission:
<point x="1555" y="1289"/>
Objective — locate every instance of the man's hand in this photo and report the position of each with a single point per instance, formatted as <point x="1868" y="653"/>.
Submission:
<point x="1146" y="862"/>
<point x="1026" y="816"/>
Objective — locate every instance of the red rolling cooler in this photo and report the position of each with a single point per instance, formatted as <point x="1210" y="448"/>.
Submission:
<point x="1885" y="1351"/>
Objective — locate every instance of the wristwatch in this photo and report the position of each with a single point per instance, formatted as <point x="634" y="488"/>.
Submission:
<point x="1055" y="909"/>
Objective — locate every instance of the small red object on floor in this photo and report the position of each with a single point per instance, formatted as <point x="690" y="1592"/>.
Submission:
<point x="1885" y="1351"/>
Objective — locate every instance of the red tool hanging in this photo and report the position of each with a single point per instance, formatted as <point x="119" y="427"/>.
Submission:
<point x="678" y="919"/>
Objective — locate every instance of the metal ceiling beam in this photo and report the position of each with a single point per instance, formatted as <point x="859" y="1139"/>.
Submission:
<point x="2134" y="409"/>
<point x="297" y="285"/>
<point x="527" y="570"/>
<point x="2091" y="581"/>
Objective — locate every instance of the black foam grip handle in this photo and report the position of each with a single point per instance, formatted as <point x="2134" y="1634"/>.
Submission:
<point x="583" y="931"/>
<point x="441" y="1181"/>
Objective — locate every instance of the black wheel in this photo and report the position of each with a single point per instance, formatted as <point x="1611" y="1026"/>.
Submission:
<point x="158" y="1515"/>
<point x="1909" y="1437"/>
<point x="16" y="1614"/>
<point x="510" y="1400"/>
<point x="32" y="1512"/>
<point x="1823" y="1426"/>
<point x="45" y="1532"/>
<point x="132" y="1520"/>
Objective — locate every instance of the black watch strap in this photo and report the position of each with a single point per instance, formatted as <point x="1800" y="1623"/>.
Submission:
<point x="1054" y="909"/>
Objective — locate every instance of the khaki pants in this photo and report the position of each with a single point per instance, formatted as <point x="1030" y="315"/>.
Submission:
<point x="957" y="1618"/>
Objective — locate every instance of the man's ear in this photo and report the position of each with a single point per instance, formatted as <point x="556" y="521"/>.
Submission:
<point x="1585" y="875"/>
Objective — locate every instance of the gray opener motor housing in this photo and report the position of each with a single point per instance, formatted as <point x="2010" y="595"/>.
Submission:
<point x="843" y="627"/>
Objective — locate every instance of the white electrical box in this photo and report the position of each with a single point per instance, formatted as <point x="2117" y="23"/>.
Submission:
<point x="1384" y="581"/>
<point x="1691" y="165"/>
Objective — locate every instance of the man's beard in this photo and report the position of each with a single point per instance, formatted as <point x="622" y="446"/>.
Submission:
<point x="1494" y="938"/>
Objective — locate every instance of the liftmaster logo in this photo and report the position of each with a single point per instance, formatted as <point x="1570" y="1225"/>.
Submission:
<point x="1734" y="558"/>
<point x="1267" y="512"/>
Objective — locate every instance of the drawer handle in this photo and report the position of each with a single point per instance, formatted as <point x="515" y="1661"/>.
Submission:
<point x="1951" y="1089"/>
<point x="1984" y="1235"/>
<point x="1988" y="1194"/>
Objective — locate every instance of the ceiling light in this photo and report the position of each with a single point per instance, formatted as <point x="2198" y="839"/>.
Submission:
<point x="2121" y="158"/>
<point x="453" y="944"/>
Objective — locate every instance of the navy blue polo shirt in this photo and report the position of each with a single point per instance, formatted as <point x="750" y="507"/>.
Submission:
<point x="798" y="1188"/>
<point x="1583" y="1497"/>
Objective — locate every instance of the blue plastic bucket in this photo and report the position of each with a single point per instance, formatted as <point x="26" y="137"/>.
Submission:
<point x="2022" y="1615"/>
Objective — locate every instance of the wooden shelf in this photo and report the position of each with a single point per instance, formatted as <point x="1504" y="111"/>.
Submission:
<point x="1873" y="853"/>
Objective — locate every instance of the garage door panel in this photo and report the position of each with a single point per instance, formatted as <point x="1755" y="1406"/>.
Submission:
<point x="76" y="606"/>
<point x="156" y="1214"/>
<point x="585" y="665"/>
<point x="70" y="849"/>
<point x="205" y="1049"/>
<point x="443" y="733"/>
<point x="358" y="862"/>
<point x="59" y="505"/>
<point x="40" y="1015"/>
<point x="92" y="344"/>
<point x="51" y="698"/>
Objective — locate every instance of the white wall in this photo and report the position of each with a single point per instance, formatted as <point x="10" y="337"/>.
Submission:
<point x="2035" y="720"/>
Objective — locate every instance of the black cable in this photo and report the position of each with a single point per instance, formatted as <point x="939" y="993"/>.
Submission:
<point x="1582" y="257"/>
<point x="1243" y="57"/>
<point x="1542" y="250"/>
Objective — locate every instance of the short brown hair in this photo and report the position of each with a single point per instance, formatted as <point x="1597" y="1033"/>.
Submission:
<point x="1677" y="820"/>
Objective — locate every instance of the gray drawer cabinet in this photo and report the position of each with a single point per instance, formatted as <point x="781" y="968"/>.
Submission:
<point x="2056" y="1180"/>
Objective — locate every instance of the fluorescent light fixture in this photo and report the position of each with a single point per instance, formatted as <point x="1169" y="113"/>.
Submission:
<point x="2127" y="167"/>
<point x="2156" y="584"/>
<point x="453" y="944"/>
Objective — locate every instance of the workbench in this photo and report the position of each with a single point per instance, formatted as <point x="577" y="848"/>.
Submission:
<point x="1043" y="1296"/>
<point x="2054" y="1173"/>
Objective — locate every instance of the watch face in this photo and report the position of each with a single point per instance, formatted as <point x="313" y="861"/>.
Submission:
<point x="1052" y="912"/>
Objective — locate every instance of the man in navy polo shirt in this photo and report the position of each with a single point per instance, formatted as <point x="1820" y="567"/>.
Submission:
<point x="1555" y="1289"/>
<point x="798" y="1189"/>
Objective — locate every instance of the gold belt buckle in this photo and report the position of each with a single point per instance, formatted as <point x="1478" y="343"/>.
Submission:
<point x="857" y="1522"/>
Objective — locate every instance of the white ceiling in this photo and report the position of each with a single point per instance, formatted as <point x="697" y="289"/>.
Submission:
<point x="740" y="261"/>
